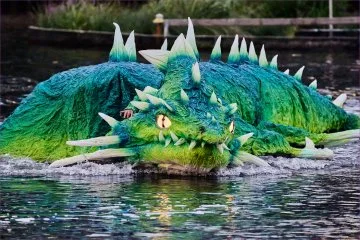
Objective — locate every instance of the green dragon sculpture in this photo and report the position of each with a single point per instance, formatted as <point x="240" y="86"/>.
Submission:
<point x="189" y="115"/>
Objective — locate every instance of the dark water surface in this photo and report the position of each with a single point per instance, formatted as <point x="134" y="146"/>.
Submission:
<point x="294" y="198"/>
<point x="306" y="205"/>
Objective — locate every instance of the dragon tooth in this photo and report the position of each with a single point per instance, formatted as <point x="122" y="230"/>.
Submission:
<point x="234" y="55"/>
<point x="97" y="141"/>
<point x="252" y="54"/>
<point x="309" y="144"/>
<point x="208" y="115"/>
<point x="225" y="146"/>
<point x="247" y="157"/>
<point x="98" y="155"/>
<point x="161" y="136"/>
<point x="316" y="153"/>
<point x="180" y="141"/>
<point x="141" y="94"/>
<point x="150" y="90"/>
<point x="299" y="73"/>
<point x="158" y="101"/>
<point x="168" y="106"/>
<point x="140" y="105"/>
<point x="243" y="50"/>
<point x="190" y="37"/>
<point x="182" y="47"/>
<point x="213" y="98"/>
<point x="118" y="52"/>
<point x="159" y="58"/>
<point x="263" y="62"/>
<point x="213" y="119"/>
<point x="273" y="63"/>
<point x="313" y="84"/>
<point x="184" y="96"/>
<point x="167" y="142"/>
<point x="243" y="139"/>
<point x="111" y="121"/>
<point x="220" y="147"/>
<point x="202" y="144"/>
<point x="287" y="72"/>
<point x="154" y="100"/>
<point x="131" y="47"/>
<point x="195" y="73"/>
<point x="340" y="100"/>
<point x="216" y="52"/>
<point x="237" y="162"/>
<point x="164" y="46"/>
<point x="174" y="137"/>
<point x="232" y="108"/>
<point x="192" y="144"/>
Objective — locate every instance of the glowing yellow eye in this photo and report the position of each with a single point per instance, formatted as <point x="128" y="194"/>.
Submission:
<point x="163" y="121"/>
<point x="232" y="127"/>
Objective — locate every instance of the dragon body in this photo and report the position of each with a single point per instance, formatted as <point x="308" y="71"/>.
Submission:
<point x="188" y="114"/>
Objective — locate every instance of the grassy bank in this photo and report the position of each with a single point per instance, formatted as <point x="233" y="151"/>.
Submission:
<point x="87" y="16"/>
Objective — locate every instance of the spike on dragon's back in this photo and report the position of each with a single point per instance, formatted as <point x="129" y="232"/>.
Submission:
<point x="189" y="115"/>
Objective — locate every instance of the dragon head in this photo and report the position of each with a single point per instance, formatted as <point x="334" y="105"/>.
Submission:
<point x="183" y="123"/>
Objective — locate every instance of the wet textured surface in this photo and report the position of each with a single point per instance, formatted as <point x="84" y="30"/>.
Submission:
<point x="294" y="198"/>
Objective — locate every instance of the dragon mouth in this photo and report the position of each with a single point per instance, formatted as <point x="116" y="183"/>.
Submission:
<point x="167" y="149"/>
<point x="192" y="143"/>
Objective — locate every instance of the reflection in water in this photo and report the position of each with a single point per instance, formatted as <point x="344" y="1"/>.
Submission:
<point x="306" y="205"/>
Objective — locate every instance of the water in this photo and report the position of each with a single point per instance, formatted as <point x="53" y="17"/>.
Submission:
<point x="294" y="198"/>
<point x="310" y="204"/>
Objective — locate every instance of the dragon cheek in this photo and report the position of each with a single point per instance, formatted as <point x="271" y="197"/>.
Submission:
<point x="123" y="132"/>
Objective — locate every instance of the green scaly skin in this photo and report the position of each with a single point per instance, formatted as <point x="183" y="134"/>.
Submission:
<point x="198" y="118"/>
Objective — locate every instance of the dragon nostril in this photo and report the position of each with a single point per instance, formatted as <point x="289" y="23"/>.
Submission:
<point x="202" y="129"/>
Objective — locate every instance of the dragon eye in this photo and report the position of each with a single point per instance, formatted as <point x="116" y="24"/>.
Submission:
<point x="232" y="127"/>
<point x="163" y="121"/>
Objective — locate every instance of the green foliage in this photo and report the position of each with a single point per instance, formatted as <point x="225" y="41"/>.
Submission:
<point x="86" y="16"/>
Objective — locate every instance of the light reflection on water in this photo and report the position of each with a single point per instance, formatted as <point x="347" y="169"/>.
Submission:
<point x="307" y="205"/>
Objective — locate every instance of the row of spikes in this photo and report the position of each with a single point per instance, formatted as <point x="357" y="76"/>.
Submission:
<point x="127" y="52"/>
<point x="182" y="47"/>
<point x="146" y="99"/>
<point x="120" y="52"/>
<point x="159" y="58"/>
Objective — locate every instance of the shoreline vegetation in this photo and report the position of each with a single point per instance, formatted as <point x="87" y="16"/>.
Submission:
<point x="85" y="15"/>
